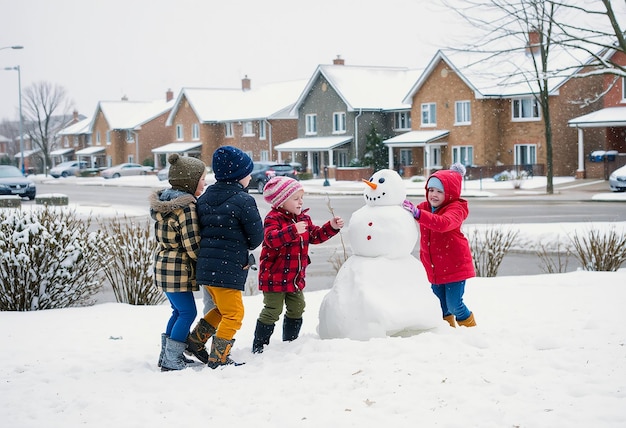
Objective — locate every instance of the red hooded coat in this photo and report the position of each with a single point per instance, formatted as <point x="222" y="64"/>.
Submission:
<point x="444" y="250"/>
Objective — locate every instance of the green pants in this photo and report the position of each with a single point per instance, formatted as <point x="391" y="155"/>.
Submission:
<point x="294" y="303"/>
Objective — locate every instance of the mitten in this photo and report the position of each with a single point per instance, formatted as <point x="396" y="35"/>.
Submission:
<point x="408" y="205"/>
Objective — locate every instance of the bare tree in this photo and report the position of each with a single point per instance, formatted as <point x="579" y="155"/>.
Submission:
<point x="541" y="27"/>
<point x="46" y="111"/>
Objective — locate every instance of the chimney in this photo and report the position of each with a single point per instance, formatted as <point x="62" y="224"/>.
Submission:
<point x="124" y="98"/>
<point x="169" y="95"/>
<point x="245" y="83"/>
<point x="75" y="116"/>
<point x="338" y="61"/>
<point x="534" y="44"/>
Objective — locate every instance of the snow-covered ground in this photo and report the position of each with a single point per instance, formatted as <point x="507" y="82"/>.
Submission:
<point x="548" y="351"/>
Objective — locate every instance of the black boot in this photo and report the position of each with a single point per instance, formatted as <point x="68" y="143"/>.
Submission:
<point x="220" y="353"/>
<point x="198" y="337"/>
<point x="291" y="328"/>
<point x="262" y="335"/>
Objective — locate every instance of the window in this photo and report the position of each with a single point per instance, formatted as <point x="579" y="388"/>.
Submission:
<point x="195" y="131"/>
<point x="179" y="132"/>
<point x="311" y="124"/>
<point x="525" y="154"/>
<point x="342" y="158"/>
<point x="265" y="155"/>
<point x="435" y="157"/>
<point x="250" y="153"/>
<point x="130" y="137"/>
<point x="108" y="137"/>
<point x="429" y="114"/>
<point x="262" y="130"/>
<point x="339" y="123"/>
<point x="463" y="154"/>
<point x="66" y="142"/>
<point x="248" y="129"/>
<point x="88" y="139"/>
<point x="623" y="88"/>
<point x="406" y="157"/>
<point x="131" y="159"/>
<point x="75" y="140"/>
<point x="228" y="130"/>
<point x="462" y="113"/>
<point x="402" y="120"/>
<point x="525" y="109"/>
<point x="98" y="138"/>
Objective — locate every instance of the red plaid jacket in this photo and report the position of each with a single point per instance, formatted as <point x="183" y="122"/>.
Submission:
<point x="284" y="253"/>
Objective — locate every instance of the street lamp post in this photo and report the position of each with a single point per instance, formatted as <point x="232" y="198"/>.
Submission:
<point x="19" y="88"/>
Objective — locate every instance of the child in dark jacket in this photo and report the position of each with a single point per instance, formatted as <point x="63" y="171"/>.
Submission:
<point x="230" y="227"/>
<point x="288" y="231"/>
<point x="177" y="233"/>
<point x="444" y="250"/>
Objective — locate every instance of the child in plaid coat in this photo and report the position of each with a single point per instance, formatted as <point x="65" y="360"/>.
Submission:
<point x="177" y="232"/>
<point x="288" y="231"/>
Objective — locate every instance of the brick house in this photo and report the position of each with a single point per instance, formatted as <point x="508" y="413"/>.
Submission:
<point x="339" y="106"/>
<point x="602" y="133"/>
<point x="484" y="114"/>
<point x="252" y="119"/>
<point x="127" y="131"/>
<point x="76" y="136"/>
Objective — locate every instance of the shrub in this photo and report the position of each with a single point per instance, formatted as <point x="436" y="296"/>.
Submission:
<point x="553" y="262"/>
<point x="600" y="250"/>
<point x="48" y="260"/>
<point x="130" y="268"/>
<point x="489" y="248"/>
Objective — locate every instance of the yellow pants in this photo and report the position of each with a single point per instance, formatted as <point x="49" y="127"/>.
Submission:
<point x="227" y="315"/>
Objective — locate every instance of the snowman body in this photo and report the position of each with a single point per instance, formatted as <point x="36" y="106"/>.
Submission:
<point x="382" y="289"/>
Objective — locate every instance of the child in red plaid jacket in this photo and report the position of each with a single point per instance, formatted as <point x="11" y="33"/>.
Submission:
<point x="288" y="231"/>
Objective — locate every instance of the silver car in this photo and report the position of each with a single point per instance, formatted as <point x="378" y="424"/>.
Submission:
<point x="66" y="169"/>
<point x="617" y="179"/>
<point x="125" y="169"/>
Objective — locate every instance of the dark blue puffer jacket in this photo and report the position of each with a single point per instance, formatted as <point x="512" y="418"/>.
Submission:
<point x="230" y="226"/>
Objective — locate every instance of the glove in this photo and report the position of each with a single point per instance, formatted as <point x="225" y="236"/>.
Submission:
<point x="408" y="205"/>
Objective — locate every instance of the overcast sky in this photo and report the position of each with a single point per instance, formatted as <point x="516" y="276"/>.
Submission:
<point x="103" y="50"/>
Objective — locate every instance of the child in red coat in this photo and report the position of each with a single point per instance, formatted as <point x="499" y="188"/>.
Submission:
<point x="444" y="250"/>
<point x="288" y="231"/>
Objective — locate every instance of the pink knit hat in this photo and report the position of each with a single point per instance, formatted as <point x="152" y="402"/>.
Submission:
<point x="279" y="189"/>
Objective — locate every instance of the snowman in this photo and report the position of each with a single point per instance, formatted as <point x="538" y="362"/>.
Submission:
<point x="382" y="289"/>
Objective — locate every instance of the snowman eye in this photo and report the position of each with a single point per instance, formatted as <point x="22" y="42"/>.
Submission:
<point x="381" y="180"/>
<point x="371" y="178"/>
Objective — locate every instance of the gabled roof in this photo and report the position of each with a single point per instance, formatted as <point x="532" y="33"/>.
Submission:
<point x="506" y="75"/>
<point x="130" y="114"/>
<point x="365" y="87"/>
<point x="213" y="105"/>
<point x="78" y="128"/>
<point x="606" y="117"/>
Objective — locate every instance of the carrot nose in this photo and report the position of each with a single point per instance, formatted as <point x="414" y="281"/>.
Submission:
<point x="369" y="183"/>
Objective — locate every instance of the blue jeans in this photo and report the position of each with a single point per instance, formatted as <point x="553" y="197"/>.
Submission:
<point x="450" y="297"/>
<point x="183" y="314"/>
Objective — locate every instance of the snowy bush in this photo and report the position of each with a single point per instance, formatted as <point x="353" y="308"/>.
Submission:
<point x="48" y="260"/>
<point x="600" y="250"/>
<point x="489" y="248"/>
<point x="130" y="269"/>
<point x="553" y="262"/>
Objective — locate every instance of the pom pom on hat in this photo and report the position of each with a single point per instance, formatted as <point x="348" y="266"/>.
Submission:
<point x="279" y="189"/>
<point x="231" y="164"/>
<point x="185" y="172"/>
<point x="458" y="167"/>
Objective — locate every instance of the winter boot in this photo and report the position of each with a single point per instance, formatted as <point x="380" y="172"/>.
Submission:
<point x="220" y="353"/>
<point x="450" y="320"/>
<point x="162" y="354"/>
<point x="291" y="328"/>
<point x="198" y="337"/>
<point x="173" y="355"/>
<point x="262" y="335"/>
<point x="469" y="322"/>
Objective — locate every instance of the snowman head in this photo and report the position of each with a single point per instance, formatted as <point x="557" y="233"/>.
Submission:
<point x="384" y="188"/>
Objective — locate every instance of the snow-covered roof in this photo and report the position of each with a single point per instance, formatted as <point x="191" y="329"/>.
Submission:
<point x="178" y="147"/>
<point x="365" y="87"/>
<point x="61" y="152"/>
<point x="131" y="114"/>
<point x="611" y="116"/>
<point x="508" y="74"/>
<point x="416" y="138"/>
<point x="90" y="150"/>
<point x="80" y="127"/>
<point x="268" y="101"/>
<point x="4" y="139"/>
<point x="313" y="144"/>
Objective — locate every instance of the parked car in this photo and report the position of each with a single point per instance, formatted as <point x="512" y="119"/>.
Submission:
<point x="164" y="173"/>
<point x="13" y="182"/>
<point x="66" y="169"/>
<point x="124" y="170"/>
<point x="263" y="171"/>
<point x="617" y="180"/>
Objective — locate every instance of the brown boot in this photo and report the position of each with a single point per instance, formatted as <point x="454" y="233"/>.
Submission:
<point x="469" y="322"/>
<point x="220" y="353"/>
<point x="198" y="337"/>
<point x="450" y="320"/>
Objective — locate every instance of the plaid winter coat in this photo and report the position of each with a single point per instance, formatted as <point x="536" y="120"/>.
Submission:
<point x="177" y="233"/>
<point x="285" y="253"/>
<point x="444" y="250"/>
<point x="230" y="226"/>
